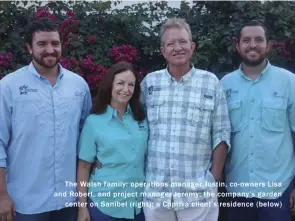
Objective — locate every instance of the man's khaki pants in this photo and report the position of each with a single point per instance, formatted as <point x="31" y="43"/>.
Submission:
<point x="187" y="214"/>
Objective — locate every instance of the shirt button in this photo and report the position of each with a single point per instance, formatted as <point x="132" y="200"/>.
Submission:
<point x="251" y="136"/>
<point x="252" y="100"/>
<point x="252" y="118"/>
<point x="251" y="153"/>
<point x="251" y="171"/>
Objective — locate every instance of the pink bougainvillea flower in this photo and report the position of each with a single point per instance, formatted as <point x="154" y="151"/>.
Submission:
<point x="65" y="63"/>
<point x="74" y="61"/>
<point x="42" y="12"/>
<point x="124" y="53"/>
<point x="71" y="14"/>
<point x="91" y="40"/>
<point x="5" y="60"/>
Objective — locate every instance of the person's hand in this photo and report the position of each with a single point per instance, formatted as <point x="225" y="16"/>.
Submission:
<point x="83" y="214"/>
<point x="217" y="175"/>
<point x="292" y="202"/>
<point x="97" y="164"/>
<point x="7" y="210"/>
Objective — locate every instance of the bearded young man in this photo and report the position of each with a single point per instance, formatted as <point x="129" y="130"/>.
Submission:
<point x="261" y="101"/>
<point x="43" y="107"/>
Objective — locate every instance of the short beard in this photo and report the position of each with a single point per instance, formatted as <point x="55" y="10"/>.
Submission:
<point x="253" y="63"/>
<point x="43" y="64"/>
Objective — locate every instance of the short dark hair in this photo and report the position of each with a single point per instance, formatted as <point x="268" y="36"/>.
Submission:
<point x="252" y="23"/>
<point x="104" y="94"/>
<point x="40" y="24"/>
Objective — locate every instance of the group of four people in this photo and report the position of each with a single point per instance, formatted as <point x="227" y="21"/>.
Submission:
<point x="153" y="150"/>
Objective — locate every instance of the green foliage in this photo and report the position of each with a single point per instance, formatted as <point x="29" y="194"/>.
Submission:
<point x="213" y="24"/>
<point x="219" y="21"/>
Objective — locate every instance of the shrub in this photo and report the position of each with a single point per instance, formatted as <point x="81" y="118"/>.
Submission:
<point x="95" y="36"/>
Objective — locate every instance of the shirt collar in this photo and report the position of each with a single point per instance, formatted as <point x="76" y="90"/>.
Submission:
<point x="111" y="112"/>
<point x="184" y="78"/>
<point x="33" y="71"/>
<point x="263" y="72"/>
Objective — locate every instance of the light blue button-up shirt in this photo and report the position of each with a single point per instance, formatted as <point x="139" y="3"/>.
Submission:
<point x="120" y="146"/>
<point x="262" y="112"/>
<point x="38" y="136"/>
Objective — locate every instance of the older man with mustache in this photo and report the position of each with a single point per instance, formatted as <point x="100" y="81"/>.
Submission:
<point x="189" y="133"/>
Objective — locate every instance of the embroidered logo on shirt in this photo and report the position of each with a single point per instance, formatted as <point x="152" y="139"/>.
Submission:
<point x="208" y="96"/>
<point x="278" y="94"/>
<point x="151" y="89"/>
<point x="24" y="89"/>
<point x="230" y="91"/>
<point x="79" y="94"/>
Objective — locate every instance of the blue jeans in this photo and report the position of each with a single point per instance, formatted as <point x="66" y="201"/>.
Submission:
<point x="266" y="213"/>
<point x="66" y="214"/>
<point x="97" y="215"/>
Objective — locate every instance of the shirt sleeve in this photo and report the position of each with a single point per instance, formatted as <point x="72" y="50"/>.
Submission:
<point x="5" y="121"/>
<point x="221" y="128"/>
<point x="291" y="103"/>
<point x="87" y="144"/>
<point x="87" y="105"/>
<point x="143" y="93"/>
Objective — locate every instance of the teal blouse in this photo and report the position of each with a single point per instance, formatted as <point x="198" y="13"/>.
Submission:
<point x="120" y="146"/>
